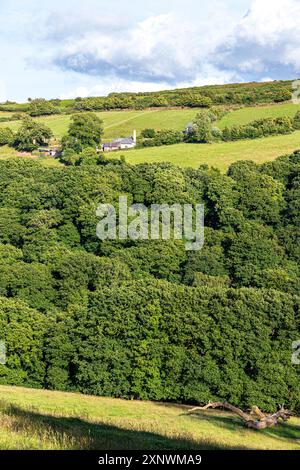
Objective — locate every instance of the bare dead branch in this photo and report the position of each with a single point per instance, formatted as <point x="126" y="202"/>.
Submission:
<point x="262" y="421"/>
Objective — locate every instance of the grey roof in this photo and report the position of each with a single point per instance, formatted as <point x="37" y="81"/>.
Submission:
<point x="111" y="144"/>
<point x="125" y="140"/>
<point x="48" y="149"/>
<point x="119" y="141"/>
<point x="188" y="128"/>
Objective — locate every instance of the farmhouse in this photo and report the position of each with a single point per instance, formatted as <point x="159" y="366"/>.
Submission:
<point x="189" y="128"/>
<point x="49" y="151"/>
<point x="120" y="143"/>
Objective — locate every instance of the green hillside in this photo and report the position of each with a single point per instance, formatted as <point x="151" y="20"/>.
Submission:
<point x="122" y="123"/>
<point x="246" y="115"/>
<point x="234" y="93"/>
<point x="37" y="419"/>
<point x="219" y="155"/>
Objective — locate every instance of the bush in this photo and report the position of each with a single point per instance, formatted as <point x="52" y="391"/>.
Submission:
<point x="6" y="136"/>
<point x="217" y="134"/>
<point x="17" y="116"/>
<point x="282" y="95"/>
<point x="203" y="97"/>
<point x="296" y="121"/>
<point x="164" y="137"/>
<point x="200" y="102"/>
<point x="41" y="107"/>
<point x="148" y="133"/>
<point x="259" y="128"/>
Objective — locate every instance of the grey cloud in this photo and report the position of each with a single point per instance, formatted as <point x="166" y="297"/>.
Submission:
<point x="266" y="42"/>
<point x="163" y="50"/>
<point x="132" y="70"/>
<point x="254" y="61"/>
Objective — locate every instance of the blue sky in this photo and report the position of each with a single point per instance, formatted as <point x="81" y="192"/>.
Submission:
<point x="64" y="48"/>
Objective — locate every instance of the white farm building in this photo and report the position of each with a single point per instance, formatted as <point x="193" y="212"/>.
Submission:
<point x="120" y="143"/>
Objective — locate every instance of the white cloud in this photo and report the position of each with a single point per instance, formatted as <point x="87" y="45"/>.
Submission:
<point x="169" y="51"/>
<point x="159" y="48"/>
<point x="94" y="54"/>
<point x="268" y="20"/>
<point x="266" y="39"/>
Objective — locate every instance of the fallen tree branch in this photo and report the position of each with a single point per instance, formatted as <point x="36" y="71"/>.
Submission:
<point x="262" y="422"/>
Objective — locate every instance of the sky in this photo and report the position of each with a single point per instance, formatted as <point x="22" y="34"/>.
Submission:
<point x="65" y="49"/>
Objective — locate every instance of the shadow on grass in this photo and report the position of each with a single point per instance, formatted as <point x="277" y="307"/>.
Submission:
<point x="77" y="433"/>
<point x="284" y="431"/>
<point x="230" y="422"/>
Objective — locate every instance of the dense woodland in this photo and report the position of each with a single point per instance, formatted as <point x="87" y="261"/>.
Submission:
<point x="147" y="319"/>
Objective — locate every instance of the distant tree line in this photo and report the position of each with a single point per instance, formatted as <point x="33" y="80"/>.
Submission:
<point x="244" y="94"/>
<point x="200" y="97"/>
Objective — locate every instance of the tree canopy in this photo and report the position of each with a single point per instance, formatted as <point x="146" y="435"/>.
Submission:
<point x="147" y="319"/>
<point x="85" y="130"/>
<point x="31" y="135"/>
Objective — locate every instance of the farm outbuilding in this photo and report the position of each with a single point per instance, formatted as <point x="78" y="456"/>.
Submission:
<point x="49" y="151"/>
<point x="120" y="143"/>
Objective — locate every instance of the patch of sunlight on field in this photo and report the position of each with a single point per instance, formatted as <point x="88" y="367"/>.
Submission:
<point x="219" y="155"/>
<point x="40" y="419"/>
<point x="246" y="115"/>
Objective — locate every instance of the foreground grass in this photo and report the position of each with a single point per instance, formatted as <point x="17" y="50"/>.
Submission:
<point x="218" y="155"/>
<point x="39" y="419"/>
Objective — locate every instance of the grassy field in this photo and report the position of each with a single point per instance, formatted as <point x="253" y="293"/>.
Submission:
<point x="122" y="123"/>
<point x="218" y="155"/>
<point x="39" y="419"/>
<point x="246" y="115"/>
<point x="192" y="155"/>
<point x="5" y="114"/>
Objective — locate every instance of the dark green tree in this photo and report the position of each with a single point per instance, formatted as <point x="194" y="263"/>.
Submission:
<point x="41" y="107"/>
<point x="85" y="130"/>
<point x="31" y="135"/>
